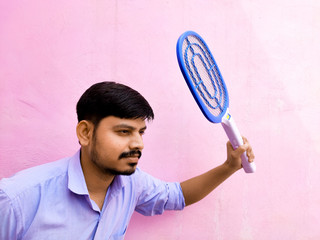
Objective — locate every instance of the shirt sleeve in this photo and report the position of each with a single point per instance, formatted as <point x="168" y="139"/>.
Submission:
<point x="8" y="220"/>
<point x="155" y="195"/>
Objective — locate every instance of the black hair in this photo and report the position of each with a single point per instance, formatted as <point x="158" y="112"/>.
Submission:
<point x="112" y="99"/>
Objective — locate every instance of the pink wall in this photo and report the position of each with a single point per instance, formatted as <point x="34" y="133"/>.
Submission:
<point x="269" y="54"/>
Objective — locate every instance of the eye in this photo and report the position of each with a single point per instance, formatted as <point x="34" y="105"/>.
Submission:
<point x="123" y="132"/>
<point x="142" y="132"/>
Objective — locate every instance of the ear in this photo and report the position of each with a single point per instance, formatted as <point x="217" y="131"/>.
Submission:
<point x="85" y="132"/>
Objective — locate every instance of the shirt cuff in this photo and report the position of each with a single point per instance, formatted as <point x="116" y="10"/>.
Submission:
<point x="175" y="198"/>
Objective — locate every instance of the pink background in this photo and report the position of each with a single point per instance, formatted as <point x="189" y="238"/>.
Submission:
<point x="269" y="55"/>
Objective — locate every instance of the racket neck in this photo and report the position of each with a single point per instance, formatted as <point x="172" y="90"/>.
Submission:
<point x="231" y="129"/>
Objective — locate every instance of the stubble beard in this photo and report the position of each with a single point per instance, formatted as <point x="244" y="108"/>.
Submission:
<point x="96" y="160"/>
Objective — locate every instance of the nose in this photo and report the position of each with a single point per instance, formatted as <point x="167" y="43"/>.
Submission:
<point x="137" y="142"/>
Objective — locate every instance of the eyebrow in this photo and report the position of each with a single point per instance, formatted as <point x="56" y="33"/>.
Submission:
<point x="128" y="127"/>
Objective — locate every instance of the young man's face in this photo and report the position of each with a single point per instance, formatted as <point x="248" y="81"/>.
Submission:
<point x="117" y="145"/>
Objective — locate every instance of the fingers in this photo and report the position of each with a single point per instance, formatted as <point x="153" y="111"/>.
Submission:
<point x="246" y="147"/>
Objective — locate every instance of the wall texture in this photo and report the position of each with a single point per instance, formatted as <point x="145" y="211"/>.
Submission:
<point x="269" y="55"/>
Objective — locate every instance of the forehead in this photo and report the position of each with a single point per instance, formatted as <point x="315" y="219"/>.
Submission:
<point x="112" y="122"/>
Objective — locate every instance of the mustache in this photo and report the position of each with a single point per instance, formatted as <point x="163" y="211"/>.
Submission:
<point x="132" y="153"/>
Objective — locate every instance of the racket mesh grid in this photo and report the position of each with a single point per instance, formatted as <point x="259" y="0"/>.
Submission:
<point x="206" y="77"/>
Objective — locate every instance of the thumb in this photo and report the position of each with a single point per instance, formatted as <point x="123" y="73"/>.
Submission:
<point x="241" y="149"/>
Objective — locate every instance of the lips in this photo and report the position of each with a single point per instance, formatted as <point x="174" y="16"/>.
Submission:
<point x="133" y="159"/>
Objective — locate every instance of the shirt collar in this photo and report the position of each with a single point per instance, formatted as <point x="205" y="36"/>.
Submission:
<point x="117" y="184"/>
<point x="76" y="181"/>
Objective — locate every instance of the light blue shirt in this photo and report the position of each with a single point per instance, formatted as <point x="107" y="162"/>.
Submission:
<point x="51" y="201"/>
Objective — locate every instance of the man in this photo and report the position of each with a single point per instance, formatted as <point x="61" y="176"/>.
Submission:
<point x="93" y="194"/>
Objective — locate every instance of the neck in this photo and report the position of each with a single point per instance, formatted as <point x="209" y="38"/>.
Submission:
<point x="97" y="181"/>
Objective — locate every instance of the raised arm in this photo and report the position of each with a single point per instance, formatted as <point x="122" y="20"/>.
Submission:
<point x="198" y="187"/>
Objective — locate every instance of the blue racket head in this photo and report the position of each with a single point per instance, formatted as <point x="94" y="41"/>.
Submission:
<point x="203" y="76"/>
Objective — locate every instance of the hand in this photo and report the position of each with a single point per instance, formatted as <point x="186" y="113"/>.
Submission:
<point x="234" y="156"/>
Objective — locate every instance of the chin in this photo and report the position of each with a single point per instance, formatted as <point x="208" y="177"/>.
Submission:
<point x="127" y="172"/>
